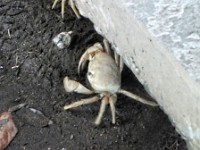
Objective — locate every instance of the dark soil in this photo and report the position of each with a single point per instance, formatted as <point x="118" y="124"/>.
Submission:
<point x="38" y="78"/>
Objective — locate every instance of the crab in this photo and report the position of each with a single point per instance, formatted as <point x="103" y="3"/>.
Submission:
<point x="104" y="76"/>
<point x="72" y="5"/>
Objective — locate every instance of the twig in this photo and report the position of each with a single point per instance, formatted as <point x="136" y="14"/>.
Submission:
<point x="16" y="61"/>
<point x="9" y="33"/>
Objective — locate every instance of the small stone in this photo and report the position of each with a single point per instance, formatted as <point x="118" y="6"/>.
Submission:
<point x="63" y="39"/>
<point x="71" y="136"/>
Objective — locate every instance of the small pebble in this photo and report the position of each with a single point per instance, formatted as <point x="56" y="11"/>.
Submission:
<point x="63" y="39"/>
<point x="71" y="136"/>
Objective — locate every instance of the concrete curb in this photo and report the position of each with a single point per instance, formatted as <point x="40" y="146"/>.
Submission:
<point x="154" y="65"/>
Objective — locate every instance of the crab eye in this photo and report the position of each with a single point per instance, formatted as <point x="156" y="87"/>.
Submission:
<point x="90" y="74"/>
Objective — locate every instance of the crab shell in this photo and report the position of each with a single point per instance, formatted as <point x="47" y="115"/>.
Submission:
<point x="103" y="73"/>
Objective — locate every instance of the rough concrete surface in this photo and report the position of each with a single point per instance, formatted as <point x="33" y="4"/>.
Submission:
<point x="151" y="36"/>
<point x="177" y="24"/>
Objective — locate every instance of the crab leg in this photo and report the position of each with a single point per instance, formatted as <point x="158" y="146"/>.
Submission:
<point x="71" y="2"/>
<point x="54" y="3"/>
<point x="121" y="64"/>
<point x="104" y="103"/>
<point x="137" y="98"/>
<point x="63" y="8"/>
<point x="74" y="86"/>
<point x="82" y="102"/>
<point x="119" y="61"/>
<point x="117" y="57"/>
<point x="112" y="101"/>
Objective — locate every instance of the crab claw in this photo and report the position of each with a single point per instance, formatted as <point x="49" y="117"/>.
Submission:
<point x="88" y="55"/>
<point x="74" y="86"/>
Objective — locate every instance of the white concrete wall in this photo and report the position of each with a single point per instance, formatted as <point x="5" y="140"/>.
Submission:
<point x="177" y="24"/>
<point x="159" y="41"/>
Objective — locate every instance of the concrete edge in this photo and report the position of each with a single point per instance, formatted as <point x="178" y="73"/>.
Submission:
<point x="163" y="77"/>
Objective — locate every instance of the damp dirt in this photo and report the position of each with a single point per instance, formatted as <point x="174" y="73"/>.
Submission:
<point x="32" y="69"/>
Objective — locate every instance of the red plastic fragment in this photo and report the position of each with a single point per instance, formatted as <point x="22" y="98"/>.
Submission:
<point x="8" y="129"/>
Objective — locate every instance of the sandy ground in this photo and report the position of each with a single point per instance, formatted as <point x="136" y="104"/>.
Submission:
<point x="32" y="69"/>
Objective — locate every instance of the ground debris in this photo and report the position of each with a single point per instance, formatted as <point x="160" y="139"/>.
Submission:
<point x="16" y="107"/>
<point x="34" y="117"/>
<point x="63" y="39"/>
<point x="8" y="129"/>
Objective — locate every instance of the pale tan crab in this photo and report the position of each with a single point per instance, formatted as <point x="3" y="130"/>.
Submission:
<point x="104" y="76"/>
<point x="72" y="5"/>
